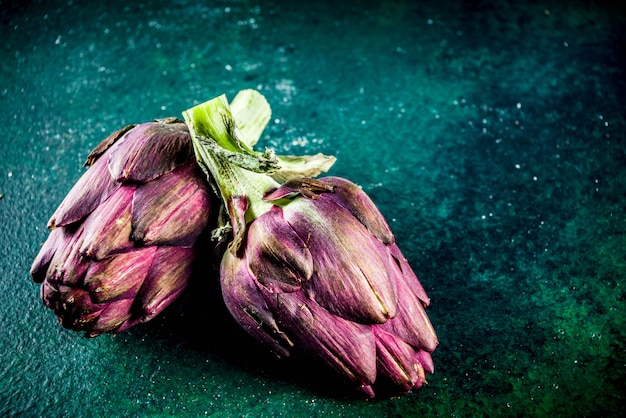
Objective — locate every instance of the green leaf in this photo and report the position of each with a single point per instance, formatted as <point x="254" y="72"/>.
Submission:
<point x="251" y="112"/>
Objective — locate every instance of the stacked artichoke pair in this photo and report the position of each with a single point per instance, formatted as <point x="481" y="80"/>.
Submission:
<point x="310" y="264"/>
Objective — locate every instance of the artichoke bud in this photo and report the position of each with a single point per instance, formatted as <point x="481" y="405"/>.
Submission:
<point x="322" y="267"/>
<point x="124" y="239"/>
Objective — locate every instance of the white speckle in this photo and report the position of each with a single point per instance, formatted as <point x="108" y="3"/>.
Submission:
<point x="228" y="67"/>
<point x="300" y="141"/>
<point x="277" y="121"/>
<point x="10" y="174"/>
<point x="565" y="44"/>
<point x="534" y="178"/>
<point x="517" y="166"/>
<point x="518" y="105"/>
<point x="286" y="87"/>
<point x="163" y="107"/>
<point x="58" y="41"/>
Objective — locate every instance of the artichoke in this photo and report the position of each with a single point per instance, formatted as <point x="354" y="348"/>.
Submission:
<point x="321" y="271"/>
<point x="313" y="266"/>
<point x="124" y="239"/>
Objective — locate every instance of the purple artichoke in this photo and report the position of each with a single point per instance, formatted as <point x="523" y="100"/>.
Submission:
<point x="124" y="239"/>
<point x="312" y="265"/>
<point x="320" y="271"/>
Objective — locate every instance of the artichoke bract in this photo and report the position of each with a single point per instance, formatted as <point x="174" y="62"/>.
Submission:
<point x="123" y="240"/>
<point x="313" y="266"/>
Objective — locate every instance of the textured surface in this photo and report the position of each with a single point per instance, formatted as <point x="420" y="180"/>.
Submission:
<point x="490" y="135"/>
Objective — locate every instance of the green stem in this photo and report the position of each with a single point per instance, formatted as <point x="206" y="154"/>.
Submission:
<point x="221" y="152"/>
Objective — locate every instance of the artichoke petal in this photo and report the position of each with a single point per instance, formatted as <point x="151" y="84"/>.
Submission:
<point x="107" y="229"/>
<point x="172" y="210"/>
<point x="236" y="206"/>
<point x="167" y="278"/>
<point x="150" y="150"/>
<point x="39" y="268"/>
<point x="49" y="294"/>
<point x="397" y="361"/>
<point x="278" y="257"/>
<point x="351" y="197"/>
<point x="426" y="360"/>
<point x="352" y="275"/>
<point x="68" y="265"/>
<point x="119" y="276"/>
<point x="111" y="318"/>
<point x="247" y="306"/>
<point x="411" y="322"/>
<point x="105" y="144"/>
<point x="306" y="187"/>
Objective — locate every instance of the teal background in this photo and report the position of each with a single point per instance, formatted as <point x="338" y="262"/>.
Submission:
<point x="490" y="134"/>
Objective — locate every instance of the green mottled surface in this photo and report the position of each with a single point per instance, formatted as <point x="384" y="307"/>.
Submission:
<point x="491" y="135"/>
